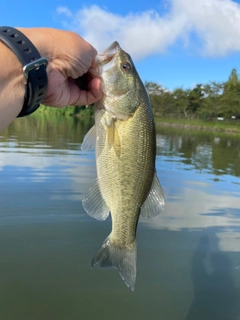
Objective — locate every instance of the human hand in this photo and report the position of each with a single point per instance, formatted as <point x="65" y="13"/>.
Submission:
<point x="70" y="58"/>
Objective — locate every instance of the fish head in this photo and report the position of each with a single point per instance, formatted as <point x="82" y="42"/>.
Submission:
<point x="121" y="83"/>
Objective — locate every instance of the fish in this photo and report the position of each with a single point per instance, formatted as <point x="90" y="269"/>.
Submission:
<point x="124" y="137"/>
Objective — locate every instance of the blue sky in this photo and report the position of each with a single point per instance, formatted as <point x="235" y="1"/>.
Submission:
<point x="176" y="43"/>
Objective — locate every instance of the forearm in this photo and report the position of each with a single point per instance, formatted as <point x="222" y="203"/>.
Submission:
<point x="12" y="86"/>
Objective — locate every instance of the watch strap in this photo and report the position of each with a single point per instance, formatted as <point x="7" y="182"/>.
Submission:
<point x="34" y="67"/>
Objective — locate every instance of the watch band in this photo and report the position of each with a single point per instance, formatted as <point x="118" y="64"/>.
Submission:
<point x="34" y="68"/>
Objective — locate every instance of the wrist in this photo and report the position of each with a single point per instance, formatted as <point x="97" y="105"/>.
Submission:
<point x="12" y="79"/>
<point x="12" y="86"/>
<point x="34" y="67"/>
<point x="41" y="39"/>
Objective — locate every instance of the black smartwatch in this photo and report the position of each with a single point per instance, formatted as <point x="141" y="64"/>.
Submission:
<point x="34" y="68"/>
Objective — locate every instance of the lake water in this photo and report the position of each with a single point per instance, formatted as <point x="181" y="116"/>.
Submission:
<point x="188" y="257"/>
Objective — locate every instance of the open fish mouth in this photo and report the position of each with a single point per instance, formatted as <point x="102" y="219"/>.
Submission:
<point x="113" y="48"/>
<point x="105" y="60"/>
<point x="107" y="55"/>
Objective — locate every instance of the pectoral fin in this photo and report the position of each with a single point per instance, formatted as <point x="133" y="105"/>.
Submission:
<point x="89" y="141"/>
<point x="94" y="204"/>
<point x="154" y="203"/>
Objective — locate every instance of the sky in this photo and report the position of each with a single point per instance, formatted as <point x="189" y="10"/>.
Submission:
<point x="175" y="43"/>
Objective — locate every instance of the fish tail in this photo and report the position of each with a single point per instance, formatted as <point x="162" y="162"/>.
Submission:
<point x="122" y="258"/>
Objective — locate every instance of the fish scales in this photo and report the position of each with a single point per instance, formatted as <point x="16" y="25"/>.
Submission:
<point x="125" y="140"/>
<point x="125" y="175"/>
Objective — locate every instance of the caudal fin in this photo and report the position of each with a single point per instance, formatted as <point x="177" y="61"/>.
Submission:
<point x="109" y="255"/>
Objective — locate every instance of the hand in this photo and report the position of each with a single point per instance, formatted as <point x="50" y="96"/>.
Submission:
<point x="70" y="58"/>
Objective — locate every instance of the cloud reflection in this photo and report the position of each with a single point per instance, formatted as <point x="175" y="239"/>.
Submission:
<point x="195" y="199"/>
<point x="195" y="210"/>
<point x="199" y="208"/>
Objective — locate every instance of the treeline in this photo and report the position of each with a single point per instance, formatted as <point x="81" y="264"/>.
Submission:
<point x="80" y="111"/>
<point x="207" y="101"/>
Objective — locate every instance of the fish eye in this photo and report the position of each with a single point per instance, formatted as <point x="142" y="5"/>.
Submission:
<point x="126" y="66"/>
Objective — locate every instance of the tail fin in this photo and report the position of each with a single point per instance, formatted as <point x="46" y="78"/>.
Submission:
<point x="109" y="255"/>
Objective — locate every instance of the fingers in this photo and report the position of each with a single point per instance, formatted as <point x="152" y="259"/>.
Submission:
<point x="95" y="91"/>
<point x="70" y="58"/>
<point x="66" y="51"/>
<point x="81" y="97"/>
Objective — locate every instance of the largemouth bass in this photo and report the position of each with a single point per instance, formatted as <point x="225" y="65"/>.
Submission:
<point x="127" y="185"/>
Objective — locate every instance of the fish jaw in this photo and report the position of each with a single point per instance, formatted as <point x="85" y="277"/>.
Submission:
<point x="104" y="60"/>
<point x="104" y="57"/>
<point x="120" y="90"/>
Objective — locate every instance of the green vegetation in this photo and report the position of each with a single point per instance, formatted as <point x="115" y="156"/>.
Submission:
<point x="201" y="106"/>
<point x="231" y="126"/>
<point x="82" y="112"/>
<point x="207" y="102"/>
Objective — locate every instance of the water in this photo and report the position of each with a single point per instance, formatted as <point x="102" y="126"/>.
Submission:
<point x="188" y="257"/>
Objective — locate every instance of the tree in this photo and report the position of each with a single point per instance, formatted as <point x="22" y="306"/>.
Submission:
<point x="195" y="98"/>
<point x="230" y="99"/>
<point x="181" y="101"/>
<point x="153" y="88"/>
<point x="160" y="98"/>
<point x="211" y="102"/>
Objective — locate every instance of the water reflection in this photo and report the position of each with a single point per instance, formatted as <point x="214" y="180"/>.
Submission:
<point x="189" y="256"/>
<point x="200" y="190"/>
<point x="51" y="132"/>
<point x="215" y="293"/>
<point x="203" y="151"/>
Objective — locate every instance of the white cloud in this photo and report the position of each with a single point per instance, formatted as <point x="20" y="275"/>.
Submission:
<point x="65" y="11"/>
<point x="214" y="23"/>
<point x="142" y="33"/>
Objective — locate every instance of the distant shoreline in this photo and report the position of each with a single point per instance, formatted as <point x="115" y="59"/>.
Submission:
<point x="211" y="128"/>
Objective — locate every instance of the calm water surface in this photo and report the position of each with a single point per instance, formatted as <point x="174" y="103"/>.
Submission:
<point x="188" y="257"/>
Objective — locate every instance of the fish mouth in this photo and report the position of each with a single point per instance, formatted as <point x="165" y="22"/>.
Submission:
<point x="104" y="60"/>
<point x="108" y="54"/>
<point x="113" y="48"/>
